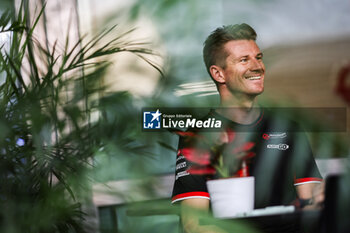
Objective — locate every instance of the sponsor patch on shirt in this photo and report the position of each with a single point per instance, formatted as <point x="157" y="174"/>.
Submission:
<point x="181" y="174"/>
<point x="280" y="146"/>
<point x="268" y="136"/>
<point x="181" y="165"/>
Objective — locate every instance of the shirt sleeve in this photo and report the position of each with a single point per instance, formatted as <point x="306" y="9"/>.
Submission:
<point x="304" y="165"/>
<point x="188" y="184"/>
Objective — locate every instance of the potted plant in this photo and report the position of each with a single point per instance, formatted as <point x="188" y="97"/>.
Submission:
<point x="224" y="158"/>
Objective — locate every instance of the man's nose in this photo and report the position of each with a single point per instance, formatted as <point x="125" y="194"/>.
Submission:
<point x="257" y="65"/>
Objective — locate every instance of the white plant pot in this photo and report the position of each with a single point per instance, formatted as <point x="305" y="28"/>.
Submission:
<point x="231" y="196"/>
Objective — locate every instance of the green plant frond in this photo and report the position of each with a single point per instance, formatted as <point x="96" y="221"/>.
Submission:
<point x="95" y="39"/>
<point x="12" y="83"/>
<point x="5" y="20"/>
<point x="7" y="26"/>
<point x="37" y="18"/>
<point x="51" y="112"/>
<point x="63" y="182"/>
<point x="155" y="66"/>
<point x="17" y="72"/>
<point x="67" y="54"/>
<point x="167" y="146"/>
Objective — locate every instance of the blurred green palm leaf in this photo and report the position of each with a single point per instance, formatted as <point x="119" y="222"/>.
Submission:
<point x="47" y="138"/>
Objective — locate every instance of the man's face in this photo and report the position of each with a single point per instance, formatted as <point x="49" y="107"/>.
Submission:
<point x="244" y="70"/>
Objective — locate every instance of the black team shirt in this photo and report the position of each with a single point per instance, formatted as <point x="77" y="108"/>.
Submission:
<point x="276" y="152"/>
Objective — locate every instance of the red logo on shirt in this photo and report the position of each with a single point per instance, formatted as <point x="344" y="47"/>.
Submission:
<point x="266" y="136"/>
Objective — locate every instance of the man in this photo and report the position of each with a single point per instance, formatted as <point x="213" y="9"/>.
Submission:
<point x="235" y="63"/>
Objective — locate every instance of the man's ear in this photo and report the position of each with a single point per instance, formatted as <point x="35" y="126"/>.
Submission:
<point x="217" y="74"/>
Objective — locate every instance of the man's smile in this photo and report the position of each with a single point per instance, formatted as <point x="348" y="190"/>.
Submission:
<point x="253" y="78"/>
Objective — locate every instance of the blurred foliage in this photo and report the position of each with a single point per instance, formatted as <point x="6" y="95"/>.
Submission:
<point x="48" y="97"/>
<point x="182" y="27"/>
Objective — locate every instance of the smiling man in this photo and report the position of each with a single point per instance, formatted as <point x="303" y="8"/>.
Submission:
<point x="241" y="78"/>
<point x="235" y="63"/>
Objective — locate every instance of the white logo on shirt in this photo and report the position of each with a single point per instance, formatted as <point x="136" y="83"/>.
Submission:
<point x="278" y="135"/>
<point x="278" y="146"/>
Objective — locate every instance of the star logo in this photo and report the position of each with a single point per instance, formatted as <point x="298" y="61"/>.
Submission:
<point x="156" y="115"/>
<point x="151" y="119"/>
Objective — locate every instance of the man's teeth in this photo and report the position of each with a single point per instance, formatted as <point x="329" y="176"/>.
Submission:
<point x="254" y="78"/>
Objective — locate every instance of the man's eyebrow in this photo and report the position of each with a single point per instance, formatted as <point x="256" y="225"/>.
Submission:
<point x="244" y="56"/>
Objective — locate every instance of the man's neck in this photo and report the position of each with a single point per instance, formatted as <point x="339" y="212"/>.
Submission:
<point x="243" y="110"/>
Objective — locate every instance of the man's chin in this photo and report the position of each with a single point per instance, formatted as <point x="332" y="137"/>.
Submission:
<point x="256" y="92"/>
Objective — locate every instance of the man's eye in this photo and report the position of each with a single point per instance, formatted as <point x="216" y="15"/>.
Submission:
<point x="244" y="60"/>
<point x="259" y="58"/>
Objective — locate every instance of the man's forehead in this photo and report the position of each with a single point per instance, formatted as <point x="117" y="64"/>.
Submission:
<point x="240" y="48"/>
